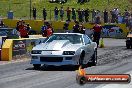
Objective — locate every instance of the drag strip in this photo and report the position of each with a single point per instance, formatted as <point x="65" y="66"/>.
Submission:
<point x="115" y="59"/>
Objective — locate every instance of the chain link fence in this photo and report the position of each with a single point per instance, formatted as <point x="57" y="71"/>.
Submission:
<point x="21" y="10"/>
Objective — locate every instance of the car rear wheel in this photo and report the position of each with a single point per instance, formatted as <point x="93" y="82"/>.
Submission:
<point x="94" y="58"/>
<point x="128" y="46"/>
<point x="36" y="66"/>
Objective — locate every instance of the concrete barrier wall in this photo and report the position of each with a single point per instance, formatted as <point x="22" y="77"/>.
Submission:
<point x="6" y="52"/>
<point x="16" y="48"/>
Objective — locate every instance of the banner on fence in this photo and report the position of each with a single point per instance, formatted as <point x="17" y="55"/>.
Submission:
<point x="114" y="31"/>
<point x="19" y="47"/>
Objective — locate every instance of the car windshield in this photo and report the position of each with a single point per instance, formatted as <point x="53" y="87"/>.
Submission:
<point x="73" y="38"/>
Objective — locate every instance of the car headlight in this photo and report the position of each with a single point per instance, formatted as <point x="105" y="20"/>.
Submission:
<point x="36" y="52"/>
<point x="68" y="52"/>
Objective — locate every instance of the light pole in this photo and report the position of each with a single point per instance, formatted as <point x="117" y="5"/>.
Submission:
<point x="30" y="8"/>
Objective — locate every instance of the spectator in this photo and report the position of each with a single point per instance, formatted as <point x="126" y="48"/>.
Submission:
<point x="34" y="13"/>
<point x="68" y="13"/>
<point x="116" y="12"/>
<point x="81" y="29"/>
<point x="61" y="13"/>
<point x="87" y="15"/>
<point x="79" y="15"/>
<point x="105" y="16"/>
<point x="120" y="18"/>
<point x="56" y="12"/>
<point x="97" y="32"/>
<point x="113" y="15"/>
<point x="83" y="14"/>
<point x="76" y="27"/>
<point x="126" y="13"/>
<point x="44" y="14"/>
<point x="49" y="31"/>
<point x="66" y="25"/>
<point x="28" y="27"/>
<point x="2" y="24"/>
<point x="93" y="15"/>
<point x="17" y="26"/>
<point x="22" y="30"/>
<point x="44" y="27"/>
<point x="73" y="14"/>
<point x="98" y="17"/>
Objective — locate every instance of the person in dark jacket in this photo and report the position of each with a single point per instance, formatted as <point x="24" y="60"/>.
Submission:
<point x="65" y="27"/>
<point x="56" y="12"/>
<point x="68" y="13"/>
<point x="105" y="16"/>
<point x="76" y="27"/>
<point x="73" y="14"/>
<point x="61" y="13"/>
<point x="87" y="12"/>
<point x="97" y="33"/>
<point x="44" y="14"/>
<point x="2" y="24"/>
<point x="79" y="15"/>
<point x="81" y="29"/>
<point x="34" y="13"/>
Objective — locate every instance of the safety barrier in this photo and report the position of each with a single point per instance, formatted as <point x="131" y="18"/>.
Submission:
<point x="109" y="30"/>
<point x="15" y="48"/>
<point x="2" y="39"/>
<point x="6" y="52"/>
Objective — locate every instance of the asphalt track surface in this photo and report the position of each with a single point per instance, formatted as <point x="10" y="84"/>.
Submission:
<point x="114" y="58"/>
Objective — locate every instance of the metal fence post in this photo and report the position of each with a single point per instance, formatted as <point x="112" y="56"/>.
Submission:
<point x="30" y="8"/>
<point x="50" y="15"/>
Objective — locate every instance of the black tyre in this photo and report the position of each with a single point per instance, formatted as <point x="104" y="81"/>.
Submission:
<point x="131" y="46"/>
<point x="36" y="66"/>
<point x="128" y="46"/>
<point x="81" y="80"/>
<point x="81" y="59"/>
<point x="94" y="58"/>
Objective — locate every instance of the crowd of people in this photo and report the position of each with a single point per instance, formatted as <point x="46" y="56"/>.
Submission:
<point x="79" y="28"/>
<point x="87" y="15"/>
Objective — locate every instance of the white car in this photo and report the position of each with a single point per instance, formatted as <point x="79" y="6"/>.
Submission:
<point x="65" y="49"/>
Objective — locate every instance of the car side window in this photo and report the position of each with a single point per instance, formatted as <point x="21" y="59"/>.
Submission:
<point x="86" y="40"/>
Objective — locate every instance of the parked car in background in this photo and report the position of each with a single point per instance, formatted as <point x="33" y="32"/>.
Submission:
<point x="65" y="49"/>
<point x="9" y="32"/>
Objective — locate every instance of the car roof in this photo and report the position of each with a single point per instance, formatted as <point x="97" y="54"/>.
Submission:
<point x="69" y="33"/>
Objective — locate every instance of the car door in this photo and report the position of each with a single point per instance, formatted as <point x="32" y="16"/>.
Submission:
<point x="87" y="48"/>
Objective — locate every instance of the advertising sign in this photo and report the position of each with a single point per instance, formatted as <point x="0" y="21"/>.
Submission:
<point x="19" y="47"/>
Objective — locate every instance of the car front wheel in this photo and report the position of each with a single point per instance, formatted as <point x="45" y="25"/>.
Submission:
<point x="94" y="58"/>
